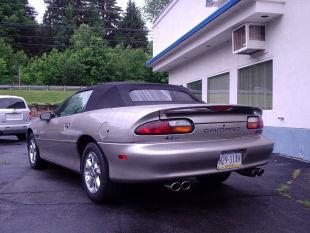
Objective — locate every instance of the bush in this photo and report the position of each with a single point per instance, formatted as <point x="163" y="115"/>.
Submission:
<point x="90" y="61"/>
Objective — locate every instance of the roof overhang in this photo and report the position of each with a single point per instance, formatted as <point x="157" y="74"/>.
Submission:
<point x="215" y="30"/>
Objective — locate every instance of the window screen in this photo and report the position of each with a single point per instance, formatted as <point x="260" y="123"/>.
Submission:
<point x="239" y="38"/>
<point x="257" y="32"/>
<point x="12" y="103"/>
<point x="195" y="88"/>
<point x="255" y="85"/>
<point x="218" y="89"/>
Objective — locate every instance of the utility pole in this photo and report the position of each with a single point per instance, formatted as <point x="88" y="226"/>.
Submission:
<point x="19" y="75"/>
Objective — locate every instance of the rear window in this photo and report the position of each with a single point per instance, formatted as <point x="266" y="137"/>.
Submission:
<point x="160" y="96"/>
<point x="12" y="103"/>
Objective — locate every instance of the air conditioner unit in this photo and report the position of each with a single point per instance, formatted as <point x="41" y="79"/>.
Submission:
<point x="249" y="38"/>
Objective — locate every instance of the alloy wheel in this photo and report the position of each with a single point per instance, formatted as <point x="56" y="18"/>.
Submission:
<point x="92" y="172"/>
<point x="32" y="151"/>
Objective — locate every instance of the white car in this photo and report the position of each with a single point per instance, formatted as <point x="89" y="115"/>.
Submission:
<point x="15" y="116"/>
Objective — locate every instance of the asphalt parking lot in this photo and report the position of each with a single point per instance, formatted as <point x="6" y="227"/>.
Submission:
<point x="53" y="200"/>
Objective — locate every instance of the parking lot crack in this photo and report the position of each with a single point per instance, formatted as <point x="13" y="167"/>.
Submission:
<point x="290" y="189"/>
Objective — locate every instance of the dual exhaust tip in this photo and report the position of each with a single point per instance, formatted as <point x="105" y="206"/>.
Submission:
<point x="252" y="172"/>
<point x="185" y="185"/>
<point x="178" y="186"/>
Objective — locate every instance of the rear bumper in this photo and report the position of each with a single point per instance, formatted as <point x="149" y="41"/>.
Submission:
<point x="13" y="129"/>
<point x="164" y="161"/>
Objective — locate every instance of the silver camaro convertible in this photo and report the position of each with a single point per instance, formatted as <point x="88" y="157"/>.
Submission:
<point x="138" y="132"/>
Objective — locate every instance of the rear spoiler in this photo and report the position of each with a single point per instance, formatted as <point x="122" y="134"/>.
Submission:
<point x="210" y="109"/>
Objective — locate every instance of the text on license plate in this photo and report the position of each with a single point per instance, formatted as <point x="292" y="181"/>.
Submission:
<point x="229" y="160"/>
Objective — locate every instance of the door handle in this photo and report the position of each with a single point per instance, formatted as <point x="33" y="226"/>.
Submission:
<point x="67" y="126"/>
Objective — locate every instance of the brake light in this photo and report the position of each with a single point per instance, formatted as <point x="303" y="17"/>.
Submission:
<point x="29" y="115"/>
<point x="122" y="157"/>
<point x="219" y="108"/>
<point x="161" y="127"/>
<point x="255" y="122"/>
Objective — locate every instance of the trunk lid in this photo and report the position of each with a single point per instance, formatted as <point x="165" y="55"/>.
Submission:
<point x="211" y="122"/>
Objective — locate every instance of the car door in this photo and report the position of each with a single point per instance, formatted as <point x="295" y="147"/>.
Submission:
<point x="57" y="140"/>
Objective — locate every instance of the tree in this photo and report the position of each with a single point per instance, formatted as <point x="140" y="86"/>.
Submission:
<point x="84" y="63"/>
<point x="89" y="61"/>
<point x="132" y="29"/>
<point x="10" y="62"/>
<point x="153" y="8"/>
<point x="4" y="72"/>
<point x="18" y="25"/>
<point x="128" y="65"/>
<point x="110" y="14"/>
<point x="62" y="17"/>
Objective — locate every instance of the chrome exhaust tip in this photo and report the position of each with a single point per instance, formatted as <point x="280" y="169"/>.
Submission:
<point x="186" y="185"/>
<point x="252" y="172"/>
<point x="175" y="186"/>
<point x="260" y="172"/>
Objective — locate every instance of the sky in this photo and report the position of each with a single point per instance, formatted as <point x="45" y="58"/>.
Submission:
<point x="40" y="7"/>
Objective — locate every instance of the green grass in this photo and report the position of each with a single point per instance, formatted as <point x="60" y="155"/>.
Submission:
<point x="39" y="97"/>
<point x="284" y="191"/>
<point x="306" y="203"/>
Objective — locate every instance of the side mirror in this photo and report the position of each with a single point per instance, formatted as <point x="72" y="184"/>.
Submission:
<point x="46" y="116"/>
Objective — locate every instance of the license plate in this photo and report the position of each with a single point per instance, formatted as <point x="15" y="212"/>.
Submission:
<point x="229" y="160"/>
<point x="14" y="116"/>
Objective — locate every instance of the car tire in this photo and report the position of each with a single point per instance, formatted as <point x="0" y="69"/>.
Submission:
<point x="214" y="178"/>
<point x="21" y="137"/>
<point x="33" y="153"/>
<point x="95" y="174"/>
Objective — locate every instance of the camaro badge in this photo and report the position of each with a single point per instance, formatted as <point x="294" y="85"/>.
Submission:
<point x="223" y="129"/>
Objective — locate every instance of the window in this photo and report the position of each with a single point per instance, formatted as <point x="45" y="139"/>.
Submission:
<point x="181" y="96"/>
<point x="160" y="96"/>
<point x="195" y="88"/>
<point x="150" y="95"/>
<point x="218" y="89"/>
<point x="75" y="104"/>
<point x="12" y="103"/>
<point x="255" y="85"/>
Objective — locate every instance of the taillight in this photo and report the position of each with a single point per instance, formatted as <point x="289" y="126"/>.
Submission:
<point x="161" y="127"/>
<point x="29" y="115"/>
<point x="255" y="122"/>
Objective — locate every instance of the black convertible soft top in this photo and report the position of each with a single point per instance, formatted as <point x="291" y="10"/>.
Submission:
<point x="116" y="94"/>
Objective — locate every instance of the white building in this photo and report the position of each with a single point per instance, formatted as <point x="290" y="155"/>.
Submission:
<point x="252" y="52"/>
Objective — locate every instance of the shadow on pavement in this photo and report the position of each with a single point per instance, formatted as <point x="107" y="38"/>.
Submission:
<point x="155" y="195"/>
<point x="9" y="140"/>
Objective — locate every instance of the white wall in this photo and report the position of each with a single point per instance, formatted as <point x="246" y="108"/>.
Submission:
<point x="288" y="44"/>
<point x="177" y="20"/>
